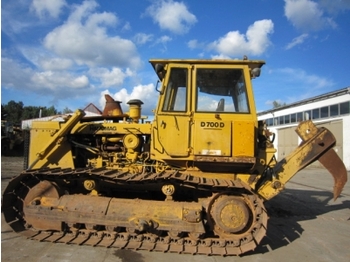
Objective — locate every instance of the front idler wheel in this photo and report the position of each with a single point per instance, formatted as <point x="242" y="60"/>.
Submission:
<point x="231" y="216"/>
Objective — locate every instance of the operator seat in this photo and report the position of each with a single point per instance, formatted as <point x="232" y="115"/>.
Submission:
<point x="221" y="105"/>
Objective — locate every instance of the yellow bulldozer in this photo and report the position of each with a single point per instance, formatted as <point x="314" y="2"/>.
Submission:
<point x="192" y="180"/>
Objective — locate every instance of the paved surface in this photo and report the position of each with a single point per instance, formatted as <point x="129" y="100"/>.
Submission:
<point x="305" y="225"/>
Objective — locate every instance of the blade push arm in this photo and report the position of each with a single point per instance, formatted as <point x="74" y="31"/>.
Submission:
<point x="58" y="136"/>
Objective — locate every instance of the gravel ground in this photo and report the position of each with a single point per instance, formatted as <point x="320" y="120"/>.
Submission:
<point x="10" y="167"/>
<point x="305" y="224"/>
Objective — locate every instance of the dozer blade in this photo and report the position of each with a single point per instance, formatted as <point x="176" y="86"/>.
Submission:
<point x="316" y="144"/>
<point x="329" y="159"/>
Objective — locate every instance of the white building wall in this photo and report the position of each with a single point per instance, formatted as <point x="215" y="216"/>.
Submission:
<point x="27" y="124"/>
<point x="346" y="142"/>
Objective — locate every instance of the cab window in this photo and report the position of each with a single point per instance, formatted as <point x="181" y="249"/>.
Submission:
<point x="176" y="91"/>
<point x="221" y="90"/>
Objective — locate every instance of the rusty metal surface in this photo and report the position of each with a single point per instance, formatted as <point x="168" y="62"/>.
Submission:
<point x="193" y="242"/>
<point x="320" y="143"/>
<point x="112" y="107"/>
<point x="231" y="160"/>
<point x="330" y="160"/>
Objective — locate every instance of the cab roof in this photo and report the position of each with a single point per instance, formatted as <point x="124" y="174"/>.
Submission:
<point x="250" y="63"/>
<point x="161" y="63"/>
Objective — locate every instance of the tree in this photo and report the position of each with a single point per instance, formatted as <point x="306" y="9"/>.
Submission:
<point x="3" y="113"/>
<point x="30" y="112"/>
<point x="51" y="111"/>
<point x="277" y="104"/>
<point x="14" y="111"/>
<point x="66" y="110"/>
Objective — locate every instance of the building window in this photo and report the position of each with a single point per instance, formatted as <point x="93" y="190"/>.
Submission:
<point x="269" y="122"/>
<point x="324" y="112"/>
<point x="316" y="113"/>
<point x="275" y="121"/>
<point x="334" y="110"/>
<point x="287" y="119"/>
<point x="299" y="116"/>
<point x="345" y="108"/>
<point x="281" y="120"/>
<point x="293" y="118"/>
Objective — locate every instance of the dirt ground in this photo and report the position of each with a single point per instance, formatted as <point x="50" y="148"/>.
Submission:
<point x="11" y="166"/>
<point x="305" y="224"/>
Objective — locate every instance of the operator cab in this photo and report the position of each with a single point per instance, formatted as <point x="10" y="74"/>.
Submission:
<point x="207" y="107"/>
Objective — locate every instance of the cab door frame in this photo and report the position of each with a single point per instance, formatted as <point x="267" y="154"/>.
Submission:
<point x="173" y="118"/>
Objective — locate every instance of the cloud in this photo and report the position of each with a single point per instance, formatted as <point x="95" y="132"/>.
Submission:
<point x="295" y="84"/>
<point x="307" y="15"/>
<point x="297" y="41"/>
<point x="289" y="85"/>
<point x="193" y="44"/>
<point x="15" y="18"/>
<point x="254" y="42"/>
<point x="55" y="64"/>
<point x="126" y="27"/>
<point x="221" y="56"/>
<point x="311" y="80"/>
<point x="75" y="58"/>
<point x="108" y="78"/>
<point x="163" y="39"/>
<point x="142" y="38"/>
<point x="54" y="83"/>
<point x="44" y="7"/>
<point x="14" y="75"/>
<point x="56" y="80"/>
<point x="335" y="6"/>
<point x="172" y="16"/>
<point x="83" y="38"/>
<point x="296" y="75"/>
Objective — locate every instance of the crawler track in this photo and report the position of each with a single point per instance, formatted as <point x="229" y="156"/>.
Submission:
<point x="208" y="243"/>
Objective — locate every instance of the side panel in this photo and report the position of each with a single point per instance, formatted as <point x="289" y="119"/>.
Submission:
<point x="244" y="138"/>
<point x="58" y="155"/>
<point x="172" y="134"/>
<point x="214" y="138"/>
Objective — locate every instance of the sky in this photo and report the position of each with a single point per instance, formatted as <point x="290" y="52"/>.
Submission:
<point x="68" y="54"/>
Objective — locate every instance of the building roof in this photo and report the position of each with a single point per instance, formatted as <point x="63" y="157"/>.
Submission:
<point x="336" y="93"/>
<point x="93" y="109"/>
<point x="90" y="110"/>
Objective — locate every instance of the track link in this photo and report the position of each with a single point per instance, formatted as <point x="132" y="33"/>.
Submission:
<point x="15" y="194"/>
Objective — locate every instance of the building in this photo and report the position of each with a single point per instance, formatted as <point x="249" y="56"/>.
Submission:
<point x="90" y="110"/>
<point x="331" y="110"/>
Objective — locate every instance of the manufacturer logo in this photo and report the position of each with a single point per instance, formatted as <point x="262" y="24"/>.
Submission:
<point x="102" y="128"/>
